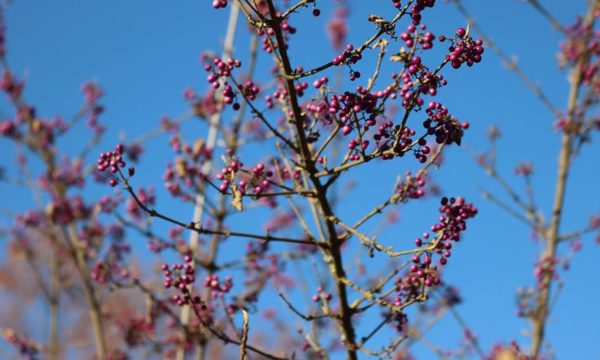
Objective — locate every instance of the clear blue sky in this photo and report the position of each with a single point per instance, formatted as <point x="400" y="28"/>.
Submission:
<point x="144" y="53"/>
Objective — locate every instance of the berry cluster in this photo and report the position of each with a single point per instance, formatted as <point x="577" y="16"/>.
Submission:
<point x="425" y="82"/>
<point x="321" y="294"/>
<point x="416" y="9"/>
<point x="285" y="174"/>
<point x="455" y="213"/>
<point x="400" y="141"/>
<point x="112" y="267"/>
<point x="445" y="127"/>
<point x="525" y="169"/>
<point x="464" y="50"/>
<point x="93" y="93"/>
<point x="11" y="85"/>
<point x="228" y="173"/>
<point x="68" y="172"/>
<point x="249" y="89"/>
<point x="422" y="273"/>
<point x="259" y="179"/>
<point x="411" y="37"/>
<point x="219" y="4"/>
<point x="107" y="204"/>
<point x="300" y="87"/>
<point x="218" y="288"/>
<point x="423" y="150"/>
<point x="353" y="144"/>
<point x="582" y="39"/>
<point x="349" y="56"/>
<point x="350" y="105"/>
<point x="228" y="95"/>
<point x="31" y="219"/>
<point x="220" y="68"/>
<point x="268" y="36"/>
<point x="415" y="65"/>
<point x="138" y="330"/>
<point x="185" y="169"/>
<point x="320" y="82"/>
<point x="8" y="129"/>
<point x="401" y="321"/>
<point x="179" y="276"/>
<point x="412" y="187"/>
<point x="107" y="271"/>
<point x="112" y="161"/>
<point x="384" y="138"/>
<point x="64" y="210"/>
<point x="45" y="131"/>
<point x="174" y="175"/>
<point x="280" y="94"/>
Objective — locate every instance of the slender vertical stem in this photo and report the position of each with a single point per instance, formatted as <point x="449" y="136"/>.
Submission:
<point x="53" y="348"/>
<point x="564" y="166"/>
<point x="211" y="141"/>
<point x="232" y="143"/>
<point x="244" y="341"/>
<point x="337" y="267"/>
<point x="78" y="255"/>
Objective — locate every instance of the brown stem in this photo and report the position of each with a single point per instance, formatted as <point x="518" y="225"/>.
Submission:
<point x="214" y="122"/>
<point x="337" y="267"/>
<point x="78" y="255"/>
<point x="244" y="341"/>
<point x="53" y="348"/>
<point x="564" y="166"/>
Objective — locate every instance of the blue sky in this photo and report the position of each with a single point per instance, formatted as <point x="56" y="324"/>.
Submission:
<point x="144" y="53"/>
